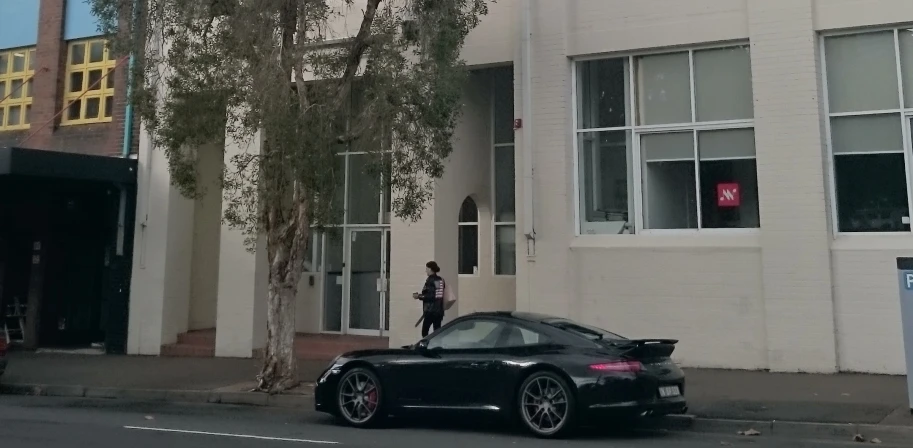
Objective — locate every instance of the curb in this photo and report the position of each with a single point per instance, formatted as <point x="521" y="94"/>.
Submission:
<point x="673" y="423"/>
<point x="294" y="401"/>
<point x="798" y="430"/>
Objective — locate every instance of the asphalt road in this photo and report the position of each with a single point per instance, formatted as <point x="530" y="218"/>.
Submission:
<point x="38" y="422"/>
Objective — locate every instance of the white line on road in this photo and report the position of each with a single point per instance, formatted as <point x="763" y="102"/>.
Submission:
<point x="240" y="436"/>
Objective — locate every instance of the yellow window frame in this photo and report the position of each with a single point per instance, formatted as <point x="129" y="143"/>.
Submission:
<point x="17" y="67"/>
<point x="89" y="83"/>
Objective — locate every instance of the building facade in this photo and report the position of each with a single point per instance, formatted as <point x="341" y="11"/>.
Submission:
<point x="732" y="173"/>
<point x="67" y="180"/>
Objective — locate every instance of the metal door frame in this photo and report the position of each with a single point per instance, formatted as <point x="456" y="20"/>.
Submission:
<point x="383" y="286"/>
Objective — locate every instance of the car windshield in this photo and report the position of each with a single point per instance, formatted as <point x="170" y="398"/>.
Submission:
<point x="591" y="333"/>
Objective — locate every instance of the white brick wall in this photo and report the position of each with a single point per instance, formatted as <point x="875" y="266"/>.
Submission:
<point x="789" y="298"/>
<point x="791" y="184"/>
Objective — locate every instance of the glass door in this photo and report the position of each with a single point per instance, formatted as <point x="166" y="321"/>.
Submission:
<point x="365" y="282"/>
<point x="333" y="283"/>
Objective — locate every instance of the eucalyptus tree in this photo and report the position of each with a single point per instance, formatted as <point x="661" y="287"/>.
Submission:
<point x="290" y="73"/>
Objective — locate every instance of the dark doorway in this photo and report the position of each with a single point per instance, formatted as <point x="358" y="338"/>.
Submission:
<point x="73" y="298"/>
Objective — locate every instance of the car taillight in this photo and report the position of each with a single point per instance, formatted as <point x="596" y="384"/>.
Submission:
<point x="618" y="367"/>
<point x="2" y="345"/>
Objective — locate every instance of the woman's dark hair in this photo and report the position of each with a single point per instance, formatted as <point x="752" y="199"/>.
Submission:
<point x="433" y="266"/>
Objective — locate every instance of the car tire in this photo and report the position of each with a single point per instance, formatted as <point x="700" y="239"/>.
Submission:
<point x="543" y="398"/>
<point x="359" y="398"/>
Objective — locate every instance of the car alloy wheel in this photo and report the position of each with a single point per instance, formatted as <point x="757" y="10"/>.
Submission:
<point x="359" y="397"/>
<point x="546" y="404"/>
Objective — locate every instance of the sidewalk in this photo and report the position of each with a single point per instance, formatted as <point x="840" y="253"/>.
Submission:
<point x="837" y="404"/>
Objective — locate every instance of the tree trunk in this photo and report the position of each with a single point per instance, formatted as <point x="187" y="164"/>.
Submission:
<point x="280" y="370"/>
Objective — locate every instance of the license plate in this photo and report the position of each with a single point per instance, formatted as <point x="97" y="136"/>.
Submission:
<point x="669" y="391"/>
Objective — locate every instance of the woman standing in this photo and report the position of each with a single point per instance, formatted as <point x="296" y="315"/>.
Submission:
<point x="432" y="297"/>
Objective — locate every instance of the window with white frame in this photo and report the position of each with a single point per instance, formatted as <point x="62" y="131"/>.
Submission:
<point x="870" y="103"/>
<point x="469" y="238"/>
<point x="504" y="217"/>
<point x="666" y="142"/>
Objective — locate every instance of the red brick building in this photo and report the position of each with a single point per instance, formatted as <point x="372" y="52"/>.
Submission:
<point x="67" y="179"/>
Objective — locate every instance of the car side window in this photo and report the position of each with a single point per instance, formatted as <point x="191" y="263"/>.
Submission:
<point x="516" y="336"/>
<point x="467" y="335"/>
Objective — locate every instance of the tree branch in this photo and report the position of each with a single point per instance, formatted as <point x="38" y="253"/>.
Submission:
<point x="359" y="45"/>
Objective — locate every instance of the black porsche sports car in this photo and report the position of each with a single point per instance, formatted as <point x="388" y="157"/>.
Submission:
<point x="551" y="373"/>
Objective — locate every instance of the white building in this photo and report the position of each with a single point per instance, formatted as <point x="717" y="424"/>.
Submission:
<point x="639" y="119"/>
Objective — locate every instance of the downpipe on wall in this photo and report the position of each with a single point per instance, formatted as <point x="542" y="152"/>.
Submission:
<point x="529" y="229"/>
<point x="128" y="139"/>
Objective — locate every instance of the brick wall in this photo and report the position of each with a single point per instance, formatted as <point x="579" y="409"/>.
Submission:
<point x="46" y="132"/>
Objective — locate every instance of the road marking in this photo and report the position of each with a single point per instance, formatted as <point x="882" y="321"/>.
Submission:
<point x="240" y="436"/>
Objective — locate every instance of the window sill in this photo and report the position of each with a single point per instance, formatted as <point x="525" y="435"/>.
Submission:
<point x="873" y="241"/>
<point x="748" y="239"/>
<point x="89" y="121"/>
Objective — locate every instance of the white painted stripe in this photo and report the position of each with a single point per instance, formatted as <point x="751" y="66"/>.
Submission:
<point x="240" y="436"/>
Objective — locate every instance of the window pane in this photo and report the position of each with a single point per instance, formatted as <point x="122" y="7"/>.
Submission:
<point x="869" y="133"/>
<point x="469" y="249"/>
<point x="861" y="72"/>
<point x="469" y="212"/>
<point x="15" y="114"/>
<point x="664" y="89"/>
<point x="2" y="116"/>
<point x="312" y="254"/>
<point x="78" y="54"/>
<point x="94" y="80"/>
<point x="109" y="80"/>
<point x="722" y="84"/>
<point x="726" y="144"/>
<point x="504" y="105"/>
<point x="906" y="64"/>
<point x="388" y="194"/>
<point x="28" y="89"/>
<point x="871" y="192"/>
<point x="2" y="89"/>
<point x="76" y="79"/>
<point x="668" y="146"/>
<point x="364" y="191"/>
<point x="109" y="106"/>
<point x="93" y="107"/>
<point x="669" y="186"/>
<point x="603" y="96"/>
<point x="74" y="111"/>
<point x="4" y="62"/>
<point x="96" y="52"/>
<point x="31" y="60"/>
<point x="520" y="337"/>
<point x="729" y="194"/>
<point x="505" y="250"/>
<point x="16" y="89"/>
<point x="469" y="334"/>
<point x="606" y="172"/>
<point x="19" y="62"/>
<point x="504" y="184"/>
<point x="27" y="116"/>
<point x="339" y="191"/>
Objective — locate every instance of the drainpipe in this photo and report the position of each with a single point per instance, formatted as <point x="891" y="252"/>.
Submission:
<point x="528" y="153"/>
<point x="128" y="137"/>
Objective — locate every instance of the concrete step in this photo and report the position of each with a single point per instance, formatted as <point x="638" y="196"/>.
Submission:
<point x="201" y="338"/>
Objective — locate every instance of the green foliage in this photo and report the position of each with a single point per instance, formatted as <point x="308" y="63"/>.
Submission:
<point x="277" y="69"/>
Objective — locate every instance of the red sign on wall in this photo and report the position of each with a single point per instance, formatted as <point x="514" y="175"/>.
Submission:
<point x="728" y="195"/>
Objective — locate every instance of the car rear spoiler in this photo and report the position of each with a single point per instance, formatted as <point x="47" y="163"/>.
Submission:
<point x="646" y="348"/>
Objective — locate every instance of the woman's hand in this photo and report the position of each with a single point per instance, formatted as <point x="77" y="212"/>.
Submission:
<point x="415" y="295"/>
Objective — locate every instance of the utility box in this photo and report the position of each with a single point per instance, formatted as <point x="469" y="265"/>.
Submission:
<point x="905" y="278"/>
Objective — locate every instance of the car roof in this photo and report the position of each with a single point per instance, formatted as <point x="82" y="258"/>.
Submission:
<point x="530" y="317"/>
